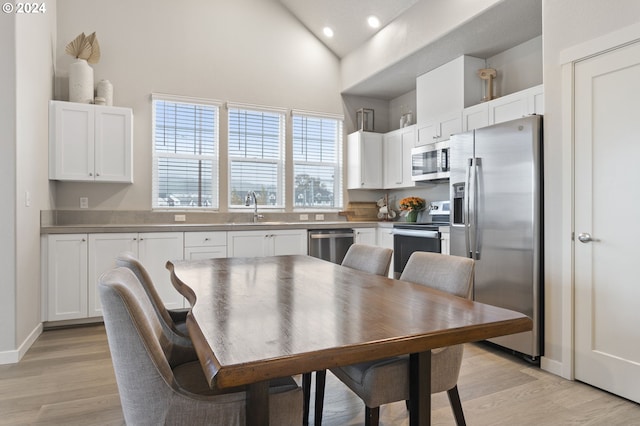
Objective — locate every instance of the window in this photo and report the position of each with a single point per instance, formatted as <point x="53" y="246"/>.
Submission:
<point x="185" y="153"/>
<point x="317" y="161"/>
<point x="256" y="160"/>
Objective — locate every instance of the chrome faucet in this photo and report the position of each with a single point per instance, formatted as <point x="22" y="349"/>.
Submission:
<point x="251" y="197"/>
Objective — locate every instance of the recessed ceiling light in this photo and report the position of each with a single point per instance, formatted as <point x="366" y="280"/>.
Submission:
<point x="373" y="21"/>
<point x="327" y="31"/>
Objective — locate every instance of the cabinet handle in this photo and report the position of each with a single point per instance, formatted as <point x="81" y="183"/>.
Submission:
<point x="206" y="239"/>
<point x="90" y="174"/>
<point x="97" y="174"/>
<point x="83" y="240"/>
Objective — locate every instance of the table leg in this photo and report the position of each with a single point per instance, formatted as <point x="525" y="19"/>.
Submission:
<point x="420" y="389"/>
<point x="257" y="410"/>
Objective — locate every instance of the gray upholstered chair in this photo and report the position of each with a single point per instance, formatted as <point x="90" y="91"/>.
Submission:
<point x="366" y="258"/>
<point x="174" y="321"/>
<point x="385" y="381"/>
<point x="372" y="259"/>
<point x="155" y="387"/>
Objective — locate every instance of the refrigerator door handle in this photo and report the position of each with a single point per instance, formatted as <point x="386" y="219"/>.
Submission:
<point x="465" y="210"/>
<point x="475" y="254"/>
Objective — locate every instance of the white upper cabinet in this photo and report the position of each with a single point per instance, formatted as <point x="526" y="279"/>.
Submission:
<point x="364" y="160"/>
<point x="397" y="147"/>
<point x="506" y="108"/>
<point x="442" y="94"/>
<point x="517" y="105"/>
<point x="90" y="143"/>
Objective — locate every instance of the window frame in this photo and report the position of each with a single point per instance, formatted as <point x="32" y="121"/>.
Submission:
<point x="338" y="166"/>
<point x="280" y="162"/>
<point x="213" y="158"/>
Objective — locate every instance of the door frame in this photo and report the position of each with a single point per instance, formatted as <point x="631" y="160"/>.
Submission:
<point x="568" y="58"/>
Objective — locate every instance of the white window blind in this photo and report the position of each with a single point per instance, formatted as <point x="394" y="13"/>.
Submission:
<point x="317" y="158"/>
<point x="256" y="160"/>
<point x="185" y="154"/>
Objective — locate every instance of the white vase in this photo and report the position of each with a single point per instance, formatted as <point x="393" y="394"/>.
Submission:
<point x="80" y="82"/>
<point x="105" y="90"/>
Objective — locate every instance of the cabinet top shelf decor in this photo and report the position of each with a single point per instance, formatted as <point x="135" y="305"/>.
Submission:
<point x="90" y="143"/>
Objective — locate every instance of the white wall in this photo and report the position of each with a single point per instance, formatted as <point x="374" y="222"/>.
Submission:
<point x="251" y="51"/>
<point x="566" y="24"/>
<point x="35" y="36"/>
<point x="26" y="84"/>
<point x="8" y="179"/>
<point x="518" y="68"/>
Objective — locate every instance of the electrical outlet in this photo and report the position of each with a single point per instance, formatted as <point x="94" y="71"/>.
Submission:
<point x="304" y="217"/>
<point x="319" y="217"/>
<point x="27" y="199"/>
<point x="84" y="202"/>
<point x="180" y="218"/>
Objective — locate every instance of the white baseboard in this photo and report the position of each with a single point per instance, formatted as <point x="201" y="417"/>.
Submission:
<point x="14" y="356"/>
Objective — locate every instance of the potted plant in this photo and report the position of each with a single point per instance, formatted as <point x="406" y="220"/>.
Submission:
<point x="410" y="207"/>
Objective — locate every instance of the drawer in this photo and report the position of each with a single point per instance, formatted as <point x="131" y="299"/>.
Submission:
<point x="205" y="239"/>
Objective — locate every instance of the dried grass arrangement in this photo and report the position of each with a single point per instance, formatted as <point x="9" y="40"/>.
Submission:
<point x="85" y="47"/>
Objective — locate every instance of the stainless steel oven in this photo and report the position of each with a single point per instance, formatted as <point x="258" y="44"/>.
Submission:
<point x="410" y="237"/>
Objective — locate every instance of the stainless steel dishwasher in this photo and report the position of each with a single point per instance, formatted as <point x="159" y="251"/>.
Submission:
<point x="330" y="244"/>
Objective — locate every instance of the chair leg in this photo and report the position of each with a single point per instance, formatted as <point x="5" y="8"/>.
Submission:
<point x="371" y="416"/>
<point x="321" y="377"/>
<point x="456" y="405"/>
<point x="306" y="392"/>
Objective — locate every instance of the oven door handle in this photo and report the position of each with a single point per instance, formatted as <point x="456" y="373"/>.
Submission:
<point x="416" y="233"/>
<point x="465" y="209"/>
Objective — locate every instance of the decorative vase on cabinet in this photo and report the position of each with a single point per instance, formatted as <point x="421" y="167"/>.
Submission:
<point x="80" y="82"/>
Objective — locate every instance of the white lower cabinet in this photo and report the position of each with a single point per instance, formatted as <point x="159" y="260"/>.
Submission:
<point x="74" y="263"/>
<point x="365" y="236"/>
<point x="445" y="243"/>
<point x="266" y="243"/>
<point x="205" y="245"/>
<point x="385" y="239"/>
<point x="66" y="265"/>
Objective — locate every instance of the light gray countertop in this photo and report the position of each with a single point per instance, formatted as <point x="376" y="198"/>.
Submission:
<point x="203" y="227"/>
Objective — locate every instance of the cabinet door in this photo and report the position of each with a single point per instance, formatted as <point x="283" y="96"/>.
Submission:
<point x="508" y="108"/>
<point x="103" y="250"/>
<point x="66" y="277"/>
<point x="392" y="146"/>
<point x="113" y="147"/>
<point x="364" y="160"/>
<point x="475" y="117"/>
<point x="71" y="136"/>
<point x="205" y="245"/>
<point x="154" y="250"/>
<point x="450" y="124"/>
<point x="408" y="143"/>
<point x="427" y="133"/>
<point x="385" y="239"/>
<point x="195" y="253"/>
<point x="246" y="243"/>
<point x="365" y="236"/>
<point x="287" y="242"/>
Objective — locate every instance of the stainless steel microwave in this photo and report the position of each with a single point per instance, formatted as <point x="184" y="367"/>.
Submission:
<point x="430" y="162"/>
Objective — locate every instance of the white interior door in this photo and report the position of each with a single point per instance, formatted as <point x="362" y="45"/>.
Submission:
<point x="607" y="213"/>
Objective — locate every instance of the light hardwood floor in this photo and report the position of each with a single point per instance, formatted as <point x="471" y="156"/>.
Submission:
<point x="67" y="378"/>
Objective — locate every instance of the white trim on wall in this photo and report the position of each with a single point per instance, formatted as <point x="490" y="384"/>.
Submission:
<point x="567" y="59"/>
<point x="14" y="356"/>
<point x="596" y="46"/>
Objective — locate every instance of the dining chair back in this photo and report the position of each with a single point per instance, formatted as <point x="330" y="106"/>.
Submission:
<point x="155" y="386"/>
<point x="174" y="321"/>
<point x="372" y="259"/>
<point x="385" y="381"/>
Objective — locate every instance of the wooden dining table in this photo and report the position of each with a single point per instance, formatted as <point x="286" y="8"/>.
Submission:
<point x="256" y="319"/>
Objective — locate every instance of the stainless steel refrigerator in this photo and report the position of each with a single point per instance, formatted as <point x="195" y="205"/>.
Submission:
<point x="496" y="219"/>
